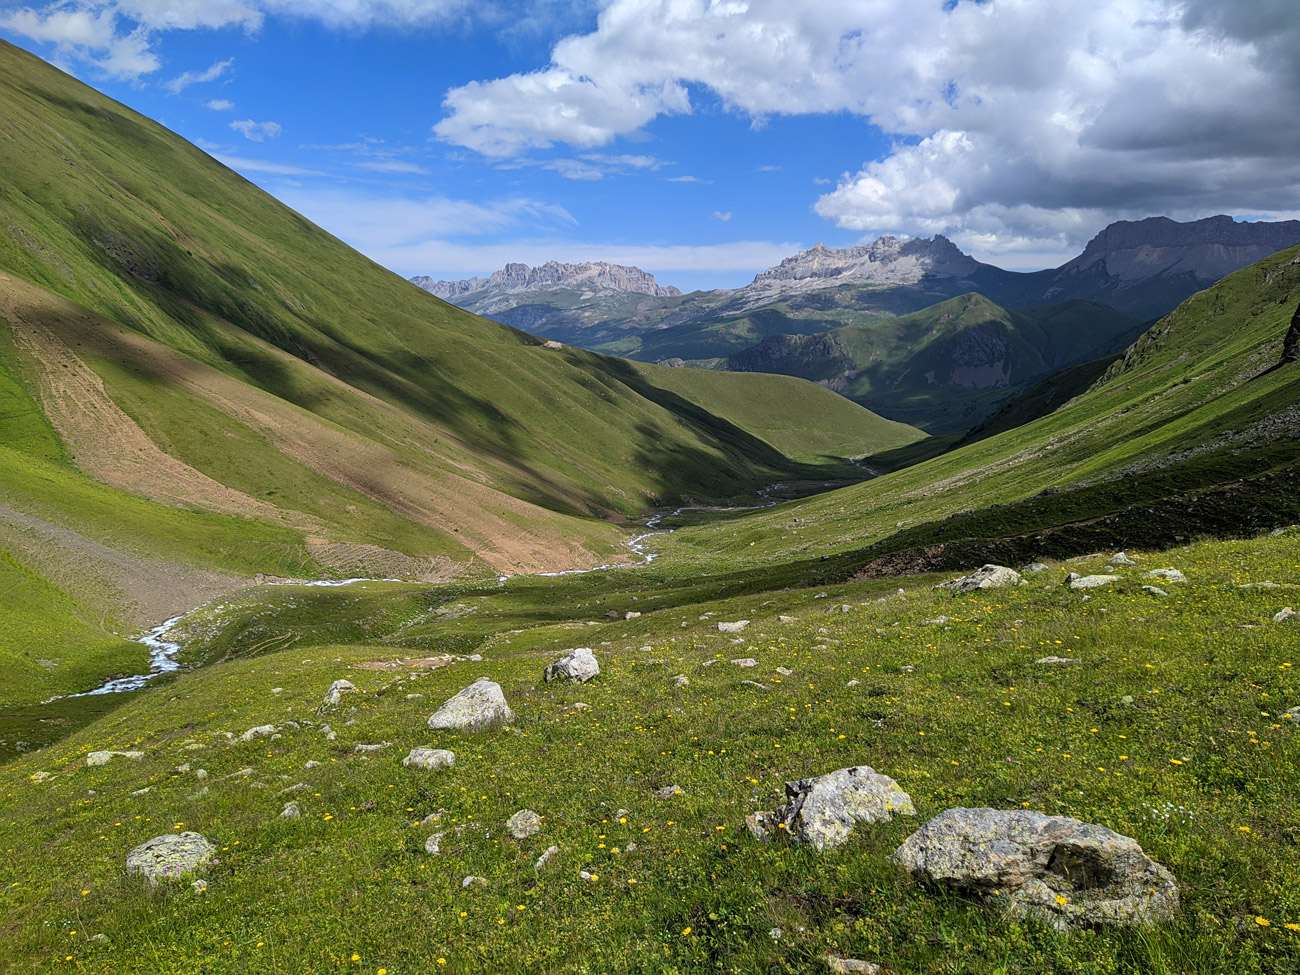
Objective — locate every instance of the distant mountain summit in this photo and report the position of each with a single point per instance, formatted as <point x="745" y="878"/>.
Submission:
<point x="885" y="261"/>
<point x="552" y="276"/>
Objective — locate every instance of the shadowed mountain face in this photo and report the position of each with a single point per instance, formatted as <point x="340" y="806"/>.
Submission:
<point x="1142" y="268"/>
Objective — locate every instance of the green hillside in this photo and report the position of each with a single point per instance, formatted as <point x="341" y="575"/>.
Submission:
<point x="778" y="408"/>
<point x="199" y="386"/>
<point x="947" y="367"/>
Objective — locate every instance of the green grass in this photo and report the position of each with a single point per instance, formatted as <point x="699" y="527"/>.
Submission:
<point x="1196" y="766"/>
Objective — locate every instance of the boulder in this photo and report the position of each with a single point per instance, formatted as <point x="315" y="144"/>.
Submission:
<point x="1076" y="581"/>
<point x="1122" y="558"/>
<point x="734" y="627"/>
<point x="429" y="758"/>
<point x="577" y="666"/>
<point x="1060" y="870"/>
<point x="851" y="966"/>
<point x="987" y="577"/>
<point x="822" y="811"/>
<point x="477" y="706"/>
<point x="103" y="758"/>
<point x="336" y="692"/>
<point x="1281" y="617"/>
<point x="170" y="856"/>
<point x="524" y="824"/>
<point x="1169" y="575"/>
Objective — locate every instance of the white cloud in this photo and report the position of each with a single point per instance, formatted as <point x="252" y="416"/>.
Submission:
<point x="183" y="81"/>
<point x="724" y="217"/>
<point x="689" y="179"/>
<point x="219" y="104"/>
<point x="256" y="131"/>
<point x="243" y="165"/>
<point x="1028" y="125"/>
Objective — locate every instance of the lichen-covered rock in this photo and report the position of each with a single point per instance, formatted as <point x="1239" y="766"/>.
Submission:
<point x="1063" y="871"/>
<point x="1281" y="617"/>
<point x="477" y="706"/>
<point x="732" y="627"/>
<point x="170" y="856"/>
<point x="744" y="662"/>
<point x="986" y="577"/>
<point x="429" y="758"/>
<point x="822" y="811"/>
<point x="577" y="666"/>
<point x="335" y="694"/>
<point x="524" y="824"/>
<point x="103" y="758"/>
<point x="1076" y="581"/>
<point x="1122" y="558"/>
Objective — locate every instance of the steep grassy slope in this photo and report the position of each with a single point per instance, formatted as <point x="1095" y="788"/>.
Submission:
<point x="198" y="386"/>
<point x="1196" y="429"/>
<point x="947" y="367"/>
<point x="777" y="409"/>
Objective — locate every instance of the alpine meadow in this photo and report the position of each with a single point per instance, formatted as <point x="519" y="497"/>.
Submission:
<point x="893" y="612"/>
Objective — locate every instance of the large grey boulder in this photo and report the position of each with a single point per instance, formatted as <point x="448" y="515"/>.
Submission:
<point x="822" y="811"/>
<point x="1060" y="870"/>
<point x="477" y="706"/>
<point x="987" y="577"/>
<point x="170" y="856"/>
<point x="577" y="666"/>
<point x="429" y="758"/>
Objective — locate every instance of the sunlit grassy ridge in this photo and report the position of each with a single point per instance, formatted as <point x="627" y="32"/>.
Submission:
<point x="1169" y="731"/>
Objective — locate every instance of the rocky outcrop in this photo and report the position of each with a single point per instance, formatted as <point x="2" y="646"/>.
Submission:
<point x="551" y="276"/>
<point x="987" y="577"/>
<point x="1291" y="344"/>
<point x="1060" y="870"/>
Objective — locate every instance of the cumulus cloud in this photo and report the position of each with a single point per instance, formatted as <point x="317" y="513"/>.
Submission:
<point x="256" y="131"/>
<point x="219" y="104"/>
<point x="183" y="81"/>
<point x="1022" y="126"/>
<point x="118" y="37"/>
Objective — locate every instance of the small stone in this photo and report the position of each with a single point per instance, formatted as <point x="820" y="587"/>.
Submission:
<point x="580" y="706"/>
<point x="681" y="680"/>
<point x="761" y="824"/>
<point x="524" y="824"/>
<point x="414" y="697"/>
<point x="103" y="758"/>
<point x="182" y="769"/>
<point x="429" y="758"/>
<point x="668" y="791"/>
<point x="1076" y="581"/>
<point x="473" y="882"/>
<point x="199" y="886"/>
<point x="141" y="792"/>
<point x="477" y="706"/>
<point x="1154" y="591"/>
<point x="784" y="671"/>
<point x="363" y="749"/>
<point x="1285" y="615"/>
<point x="1033" y="567"/>
<point x="734" y="627"/>
<point x="1169" y="575"/>
<point x="853" y="683"/>
<point x="631" y="616"/>
<point x="312" y="763"/>
<point x="744" y="662"/>
<point x="433" y="844"/>
<point x="1056" y="661"/>
<point x="170" y="856"/>
<point x="986" y="577"/>
<point x="545" y="858"/>
<point x="277" y="690"/>
<point x="788" y="619"/>
<point x="587" y="876"/>
<point x="1123" y="558"/>
<point x="577" y="666"/>
<point x="41" y="776"/>
<point x="1292" y="714"/>
<point x="258" y="732"/>
<point x="290" y="811"/>
<point x="754" y="683"/>
<point x="99" y="939"/>
<point x="630" y="848"/>
<point x="336" y="691"/>
<point x="851" y="966"/>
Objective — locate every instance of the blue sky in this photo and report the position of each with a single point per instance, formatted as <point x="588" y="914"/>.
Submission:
<point x="704" y="140"/>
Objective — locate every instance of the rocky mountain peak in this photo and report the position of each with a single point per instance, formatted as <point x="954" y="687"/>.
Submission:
<point x="885" y="261"/>
<point x="552" y="276"/>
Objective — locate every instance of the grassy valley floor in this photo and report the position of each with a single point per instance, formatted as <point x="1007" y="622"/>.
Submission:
<point x="1170" y="730"/>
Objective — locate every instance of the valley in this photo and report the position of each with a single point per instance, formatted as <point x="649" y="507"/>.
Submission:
<point x="383" y="637"/>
